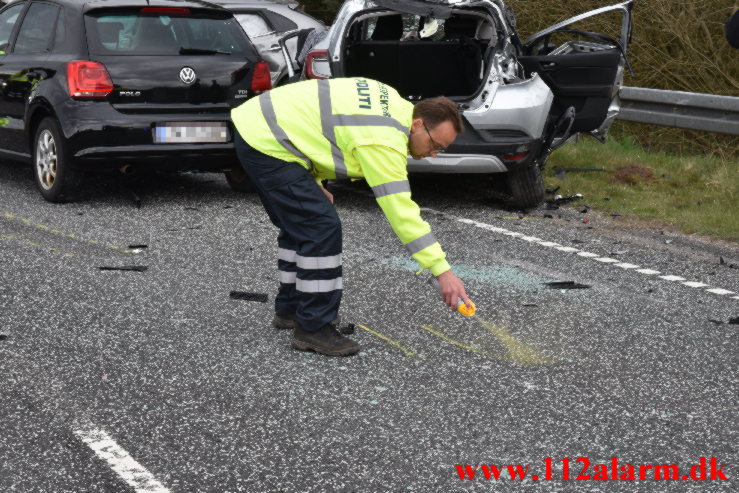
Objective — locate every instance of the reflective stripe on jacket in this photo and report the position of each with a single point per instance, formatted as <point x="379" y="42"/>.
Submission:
<point x="346" y="128"/>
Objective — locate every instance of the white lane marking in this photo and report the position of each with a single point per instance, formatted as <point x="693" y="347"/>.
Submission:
<point x="672" y="278"/>
<point x="720" y="291"/>
<point x="624" y="265"/>
<point x="693" y="284"/>
<point x="133" y="473"/>
<point x="605" y="260"/>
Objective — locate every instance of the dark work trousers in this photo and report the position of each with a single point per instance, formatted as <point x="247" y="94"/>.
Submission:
<point x="309" y="242"/>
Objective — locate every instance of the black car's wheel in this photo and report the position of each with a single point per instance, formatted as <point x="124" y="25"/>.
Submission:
<point x="238" y="180"/>
<point x="526" y="187"/>
<point x="56" y="179"/>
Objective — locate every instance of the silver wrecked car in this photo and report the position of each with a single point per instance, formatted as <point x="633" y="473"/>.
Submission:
<point x="278" y="30"/>
<point x="520" y="99"/>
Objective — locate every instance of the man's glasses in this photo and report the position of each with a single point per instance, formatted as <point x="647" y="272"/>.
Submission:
<point x="437" y="147"/>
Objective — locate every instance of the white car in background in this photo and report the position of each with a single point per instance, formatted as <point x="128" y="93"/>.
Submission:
<point x="520" y="99"/>
<point x="277" y="28"/>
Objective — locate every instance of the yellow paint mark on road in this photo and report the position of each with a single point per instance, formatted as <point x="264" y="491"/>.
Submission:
<point x="59" y="231"/>
<point x="33" y="244"/>
<point x="518" y="352"/>
<point x="454" y="341"/>
<point x="385" y="338"/>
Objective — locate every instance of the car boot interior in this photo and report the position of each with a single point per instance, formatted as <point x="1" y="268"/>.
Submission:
<point x="388" y="48"/>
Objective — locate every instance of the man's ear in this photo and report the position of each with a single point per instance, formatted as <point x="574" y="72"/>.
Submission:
<point x="417" y="124"/>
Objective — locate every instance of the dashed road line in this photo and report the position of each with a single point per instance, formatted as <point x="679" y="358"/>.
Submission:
<point x="44" y="227"/>
<point x="585" y="254"/>
<point x="133" y="473"/>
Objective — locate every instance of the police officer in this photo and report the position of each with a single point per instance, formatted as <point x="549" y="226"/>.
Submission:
<point x="292" y="138"/>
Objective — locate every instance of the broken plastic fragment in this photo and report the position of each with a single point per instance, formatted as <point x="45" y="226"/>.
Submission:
<point x="4" y="335"/>
<point x="240" y="295"/>
<point x="135" y="268"/>
<point x="566" y="285"/>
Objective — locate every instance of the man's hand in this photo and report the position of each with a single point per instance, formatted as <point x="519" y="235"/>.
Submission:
<point x="452" y="289"/>
<point x="328" y="194"/>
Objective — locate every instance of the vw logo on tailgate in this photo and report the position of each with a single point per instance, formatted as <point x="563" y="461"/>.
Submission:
<point x="187" y="75"/>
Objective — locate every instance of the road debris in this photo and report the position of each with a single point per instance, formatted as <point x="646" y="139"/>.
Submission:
<point x="4" y="335"/>
<point x="734" y="321"/>
<point x="241" y="295"/>
<point x="134" y="268"/>
<point x="721" y="261"/>
<point x="558" y="200"/>
<point x="566" y="285"/>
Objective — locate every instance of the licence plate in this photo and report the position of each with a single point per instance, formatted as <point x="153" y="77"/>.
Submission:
<point x="190" y="132"/>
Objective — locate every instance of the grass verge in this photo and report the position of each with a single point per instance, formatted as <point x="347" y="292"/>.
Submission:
<point x="693" y="194"/>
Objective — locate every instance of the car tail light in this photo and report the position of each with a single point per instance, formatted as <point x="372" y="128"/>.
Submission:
<point x="261" y="78"/>
<point x="87" y="79"/>
<point x="165" y="10"/>
<point x="316" y="65"/>
<point x="515" y="157"/>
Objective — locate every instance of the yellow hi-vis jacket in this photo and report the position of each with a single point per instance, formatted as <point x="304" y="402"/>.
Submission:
<point x="346" y="128"/>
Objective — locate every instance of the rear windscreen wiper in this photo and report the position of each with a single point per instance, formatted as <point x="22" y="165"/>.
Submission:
<point x="201" y="51"/>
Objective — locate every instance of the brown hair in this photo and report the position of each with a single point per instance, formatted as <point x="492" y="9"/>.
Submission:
<point x="434" y="111"/>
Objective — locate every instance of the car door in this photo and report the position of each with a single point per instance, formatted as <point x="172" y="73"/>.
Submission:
<point x="9" y="22"/>
<point x="584" y="72"/>
<point x="264" y="29"/>
<point x="21" y="69"/>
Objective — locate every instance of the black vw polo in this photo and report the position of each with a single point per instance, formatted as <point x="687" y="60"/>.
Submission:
<point x="121" y="84"/>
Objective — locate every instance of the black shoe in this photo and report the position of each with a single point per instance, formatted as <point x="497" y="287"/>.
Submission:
<point x="283" y="321"/>
<point x="325" y="340"/>
<point x="288" y="321"/>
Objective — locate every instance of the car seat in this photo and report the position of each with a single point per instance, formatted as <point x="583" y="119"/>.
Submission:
<point x="152" y="35"/>
<point x="388" y="28"/>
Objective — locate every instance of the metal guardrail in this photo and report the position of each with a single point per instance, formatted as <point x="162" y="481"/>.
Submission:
<point x="680" y="109"/>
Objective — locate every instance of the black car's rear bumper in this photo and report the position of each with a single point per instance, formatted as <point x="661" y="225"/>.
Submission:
<point x="164" y="157"/>
<point x="101" y="138"/>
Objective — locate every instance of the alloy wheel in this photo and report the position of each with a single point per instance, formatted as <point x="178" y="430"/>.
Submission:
<point x="46" y="159"/>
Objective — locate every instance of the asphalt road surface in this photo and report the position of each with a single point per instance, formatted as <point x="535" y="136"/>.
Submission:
<point x="157" y="380"/>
